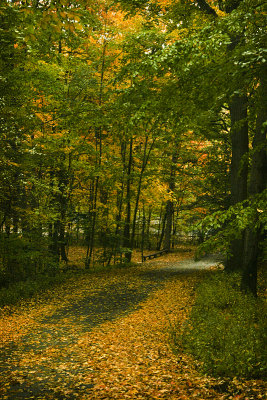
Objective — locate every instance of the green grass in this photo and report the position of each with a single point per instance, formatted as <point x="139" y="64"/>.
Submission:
<point x="226" y="331"/>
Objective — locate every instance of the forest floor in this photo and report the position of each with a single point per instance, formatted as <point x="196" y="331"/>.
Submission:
<point x="106" y="335"/>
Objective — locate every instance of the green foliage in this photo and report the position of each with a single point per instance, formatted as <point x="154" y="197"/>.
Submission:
<point x="221" y="227"/>
<point x="23" y="257"/>
<point x="226" y="330"/>
<point x="30" y="287"/>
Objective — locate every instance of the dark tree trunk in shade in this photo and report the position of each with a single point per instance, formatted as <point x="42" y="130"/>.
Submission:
<point x="257" y="183"/>
<point x="169" y="205"/>
<point x="239" y="170"/>
<point x="168" y="225"/>
<point x="126" y="233"/>
<point x="162" y="230"/>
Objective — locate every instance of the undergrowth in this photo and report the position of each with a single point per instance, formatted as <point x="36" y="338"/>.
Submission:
<point x="26" y="289"/>
<point x="226" y="330"/>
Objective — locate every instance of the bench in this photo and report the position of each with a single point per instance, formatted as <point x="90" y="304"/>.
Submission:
<point x="154" y="255"/>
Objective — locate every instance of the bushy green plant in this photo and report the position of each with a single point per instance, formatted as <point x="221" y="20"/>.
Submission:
<point x="226" y="330"/>
<point x="23" y="257"/>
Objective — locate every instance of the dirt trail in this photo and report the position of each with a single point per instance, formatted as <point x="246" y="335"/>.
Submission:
<point x="102" y="336"/>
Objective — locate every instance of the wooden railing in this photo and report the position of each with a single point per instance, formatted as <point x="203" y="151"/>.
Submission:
<point x="154" y="255"/>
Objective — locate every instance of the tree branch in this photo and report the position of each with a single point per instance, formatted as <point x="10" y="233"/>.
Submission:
<point x="205" y="7"/>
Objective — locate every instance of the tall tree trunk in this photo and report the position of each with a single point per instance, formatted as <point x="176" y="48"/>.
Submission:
<point x="239" y="170"/>
<point x="169" y="205"/>
<point x="136" y="207"/>
<point x="63" y="203"/>
<point x="239" y="137"/>
<point x="168" y="225"/>
<point x="120" y="192"/>
<point x="159" y="230"/>
<point x="52" y="226"/>
<point x="148" y="243"/>
<point x="117" y="236"/>
<point x="162" y="230"/>
<point x="126" y="233"/>
<point x="93" y="215"/>
<point x="139" y="187"/>
<point x="90" y="224"/>
<point x="98" y="148"/>
<point x="62" y="241"/>
<point x="257" y="182"/>
<point x="146" y="155"/>
<point x="143" y="233"/>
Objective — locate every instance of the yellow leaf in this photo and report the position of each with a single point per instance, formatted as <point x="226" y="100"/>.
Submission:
<point x="79" y="27"/>
<point x="71" y="28"/>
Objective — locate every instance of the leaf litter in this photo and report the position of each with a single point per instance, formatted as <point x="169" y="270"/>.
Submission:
<point x="107" y="336"/>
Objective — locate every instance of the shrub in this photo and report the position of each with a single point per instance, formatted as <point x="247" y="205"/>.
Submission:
<point x="226" y="330"/>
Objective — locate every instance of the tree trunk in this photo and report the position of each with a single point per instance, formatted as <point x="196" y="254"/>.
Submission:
<point x="139" y="187"/>
<point x="98" y="162"/>
<point x="148" y="243"/>
<point x="239" y="170"/>
<point x="126" y="233"/>
<point x="91" y="237"/>
<point x="162" y="231"/>
<point x="89" y="223"/>
<point x="169" y="205"/>
<point x="62" y="242"/>
<point x="143" y="232"/>
<point x="256" y="185"/>
<point x="168" y="226"/>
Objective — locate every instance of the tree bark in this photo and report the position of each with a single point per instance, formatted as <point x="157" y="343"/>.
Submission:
<point x="139" y="187"/>
<point x="162" y="231"/>
<point x="257" y="181"/>
<point x="239" y="170"/>
<point x="126" y="233"/>
<point x="168" y="226"/>
<point x="148" y="243"/>
<point x="169" y="205"/>
<point x="98" y="148"/>
<point x="239" y="138"/>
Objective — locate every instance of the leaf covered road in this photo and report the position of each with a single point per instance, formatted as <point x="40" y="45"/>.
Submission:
<point x="104" y="336"/>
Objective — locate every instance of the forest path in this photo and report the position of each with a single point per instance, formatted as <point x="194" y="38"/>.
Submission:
<point x="104" y="336"/>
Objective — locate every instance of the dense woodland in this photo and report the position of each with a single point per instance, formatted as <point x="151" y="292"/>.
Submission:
<point x="131" y="124"/>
